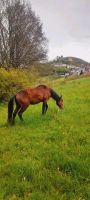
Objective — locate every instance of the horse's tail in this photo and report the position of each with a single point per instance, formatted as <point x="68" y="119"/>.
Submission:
<point x="10" y="109"/>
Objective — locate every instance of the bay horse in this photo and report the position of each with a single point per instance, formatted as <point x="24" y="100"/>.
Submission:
<point x="32" y="96"/>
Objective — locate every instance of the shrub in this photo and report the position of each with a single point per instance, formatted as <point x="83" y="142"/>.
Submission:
<point x="13" y="81"/>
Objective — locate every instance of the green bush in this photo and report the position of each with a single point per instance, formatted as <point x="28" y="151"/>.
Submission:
<point x="62" y="70"/>
<point x="13" y="81"/>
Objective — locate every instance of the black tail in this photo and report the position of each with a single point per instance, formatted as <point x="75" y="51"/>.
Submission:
<point x="10" y="109"/>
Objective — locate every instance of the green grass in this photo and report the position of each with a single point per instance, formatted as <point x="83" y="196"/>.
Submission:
<point x="48" y="157"/>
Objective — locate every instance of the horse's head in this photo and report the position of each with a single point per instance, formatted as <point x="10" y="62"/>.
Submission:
<point x="60" y="103"/>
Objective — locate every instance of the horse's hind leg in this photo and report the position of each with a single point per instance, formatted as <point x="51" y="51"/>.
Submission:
<point x="15" y="112"/>
<point x="22" y="109"/>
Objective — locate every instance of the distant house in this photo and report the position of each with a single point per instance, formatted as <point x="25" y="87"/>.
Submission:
<point x="70" y="69"/>
<point x="78" y="70"/>
<point x="87" y="68"/>
<point x="66" y="75"/>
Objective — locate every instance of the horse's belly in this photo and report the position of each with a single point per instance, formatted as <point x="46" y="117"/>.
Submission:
<point x="36" y="100"/>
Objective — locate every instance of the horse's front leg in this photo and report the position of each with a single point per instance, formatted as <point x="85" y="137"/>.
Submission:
<point x="44" y="107"/>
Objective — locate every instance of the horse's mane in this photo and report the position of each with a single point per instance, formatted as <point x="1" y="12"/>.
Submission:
<point x="54" y="95"/>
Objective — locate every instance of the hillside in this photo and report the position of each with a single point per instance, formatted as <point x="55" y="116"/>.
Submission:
<point x="60" y="66"/>
<point x="70" y="61"/>
<point x="47" y="157"/>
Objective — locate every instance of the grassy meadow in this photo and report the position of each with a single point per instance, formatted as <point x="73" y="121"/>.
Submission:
<point x="48" y="157"/>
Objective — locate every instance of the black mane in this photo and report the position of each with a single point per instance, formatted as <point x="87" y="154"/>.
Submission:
<point x="54" y="95"/>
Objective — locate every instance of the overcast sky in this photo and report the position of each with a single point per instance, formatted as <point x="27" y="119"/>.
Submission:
<point x="66" y="24"/>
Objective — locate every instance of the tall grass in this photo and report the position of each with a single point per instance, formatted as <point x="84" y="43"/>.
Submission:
<point x="47" y="157"/>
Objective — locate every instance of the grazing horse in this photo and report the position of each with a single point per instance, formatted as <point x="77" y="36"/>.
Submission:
<point x="32" y="96"/>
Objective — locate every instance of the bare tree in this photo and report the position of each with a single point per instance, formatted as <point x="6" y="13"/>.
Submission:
<point x="22" y="39"/>
<point x="3" y="38"/>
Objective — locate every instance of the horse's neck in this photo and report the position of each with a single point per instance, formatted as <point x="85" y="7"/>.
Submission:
<point x="54" y="95"/>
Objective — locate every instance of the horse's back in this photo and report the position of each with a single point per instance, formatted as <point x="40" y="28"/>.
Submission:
<point x="39" y="94"/>
<point x="34" y="95"/>
<point x="42" y="86"/>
